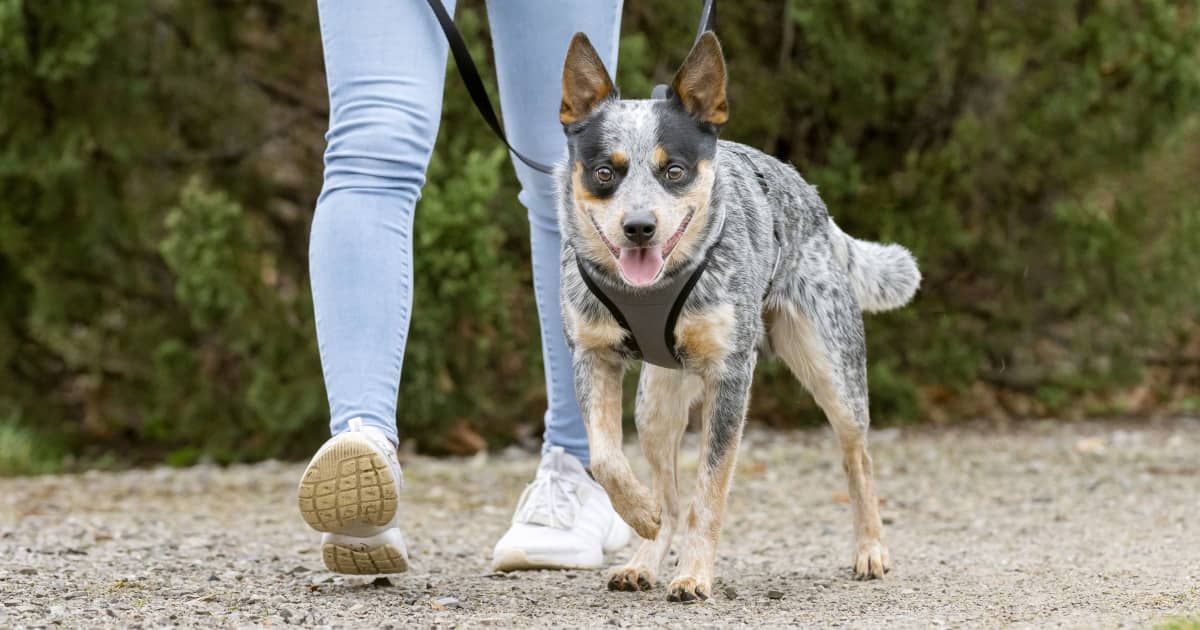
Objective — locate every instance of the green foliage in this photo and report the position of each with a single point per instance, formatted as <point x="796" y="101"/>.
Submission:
<point x="159" y="162"/>
<point x="21" y="452"/>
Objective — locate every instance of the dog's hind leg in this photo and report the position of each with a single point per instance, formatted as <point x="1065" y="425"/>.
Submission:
<point x="664" y="397"/>
<point x="724" y="414"/>
<point x="822" y="342"/>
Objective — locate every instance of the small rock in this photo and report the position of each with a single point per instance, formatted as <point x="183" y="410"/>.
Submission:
<point x="773" y="594"/>
<point x="613" y="621"/>
<point x="285" y="614"/>
<point x="448" y="602"/>
<point x="28" y="571"/>
<point x="320" y="578"/>
<point x="730" y="592"/>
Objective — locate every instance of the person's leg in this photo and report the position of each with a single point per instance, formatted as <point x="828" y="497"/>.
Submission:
<point x="530" y="39"/>
<point x="385" y="62"/>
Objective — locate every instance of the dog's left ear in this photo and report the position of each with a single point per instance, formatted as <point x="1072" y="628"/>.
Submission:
<point x="700" y="83"/>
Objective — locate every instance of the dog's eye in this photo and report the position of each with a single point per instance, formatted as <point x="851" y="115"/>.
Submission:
<point x="604" y="174"/>
<point x="675" y="171"/>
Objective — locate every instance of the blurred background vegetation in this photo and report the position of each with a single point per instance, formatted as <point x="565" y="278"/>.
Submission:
<point x="159" y="162"/>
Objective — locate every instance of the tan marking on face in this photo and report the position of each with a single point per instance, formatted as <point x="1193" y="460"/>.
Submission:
<point x="698" y="197"/>
<point x="603" y="334"/>
<point x="660" y="157"/>
<point x="620" y="159"/>
<point x="705" y="337"/>
<point x="591" y="211"/>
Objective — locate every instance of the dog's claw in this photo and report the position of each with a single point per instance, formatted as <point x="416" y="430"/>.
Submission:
<point x="686" y="589"/>
<point x="871" y="561"/>
<point x="630" y="579"/>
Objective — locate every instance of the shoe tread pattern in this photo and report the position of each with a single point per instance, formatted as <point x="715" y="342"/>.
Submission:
<point x="348" y="486"/>
<point x="357" y="561"/>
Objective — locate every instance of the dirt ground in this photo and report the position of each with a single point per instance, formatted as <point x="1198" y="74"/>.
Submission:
<point x="1086" y="525"/>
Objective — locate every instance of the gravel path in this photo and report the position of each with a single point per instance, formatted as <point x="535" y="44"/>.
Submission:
<point x="1077" y="525"/>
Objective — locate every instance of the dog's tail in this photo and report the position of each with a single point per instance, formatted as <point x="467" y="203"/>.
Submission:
<point x="883" y="277"/>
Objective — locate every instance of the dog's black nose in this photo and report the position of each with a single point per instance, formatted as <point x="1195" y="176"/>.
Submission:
<point x="639" y="228"/>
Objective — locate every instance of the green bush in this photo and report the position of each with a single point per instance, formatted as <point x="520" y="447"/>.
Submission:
<point x="159" y="162"/>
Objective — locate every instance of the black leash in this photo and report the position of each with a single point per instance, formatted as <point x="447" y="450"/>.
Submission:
<point x="471" y="79"/>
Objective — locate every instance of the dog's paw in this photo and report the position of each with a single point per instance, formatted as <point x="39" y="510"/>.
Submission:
<point x="647" y="523"/>
<point x="631" y="578"/>
<point x="641" y="512"/>
<point x="871" y="560"/>
<point x="688" y="589"/>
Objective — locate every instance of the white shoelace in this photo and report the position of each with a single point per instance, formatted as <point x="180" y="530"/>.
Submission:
<point x="550" y="500"/>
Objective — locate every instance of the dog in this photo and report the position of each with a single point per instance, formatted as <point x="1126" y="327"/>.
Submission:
<point x="649" y="192"/>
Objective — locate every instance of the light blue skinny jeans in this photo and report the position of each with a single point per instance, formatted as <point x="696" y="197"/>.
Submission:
<point x="386" y="62"/>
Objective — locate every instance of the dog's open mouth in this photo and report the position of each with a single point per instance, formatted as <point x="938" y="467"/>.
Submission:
<point x="641" y="266"/>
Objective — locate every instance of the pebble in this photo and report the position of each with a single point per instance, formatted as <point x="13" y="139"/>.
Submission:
<point x="448" y="602"/>
<point x="730" y="592"/>
<point x="773" y="594"/>
<point x="320" y="578"/>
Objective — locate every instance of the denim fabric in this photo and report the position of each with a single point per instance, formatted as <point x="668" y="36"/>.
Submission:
<point x="385" y="62"/>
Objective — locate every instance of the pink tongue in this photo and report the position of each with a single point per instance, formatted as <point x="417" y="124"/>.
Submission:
<point x="640" y="266"/>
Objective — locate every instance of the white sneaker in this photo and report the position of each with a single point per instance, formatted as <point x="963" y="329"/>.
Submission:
<point x="564" y="520"/>
<point x="349" y="492"/>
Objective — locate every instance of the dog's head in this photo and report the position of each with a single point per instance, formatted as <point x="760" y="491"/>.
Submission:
<point x="641" y="172"/>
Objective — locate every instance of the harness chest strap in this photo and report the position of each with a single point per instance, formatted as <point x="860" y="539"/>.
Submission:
<point x="648" y="316"/>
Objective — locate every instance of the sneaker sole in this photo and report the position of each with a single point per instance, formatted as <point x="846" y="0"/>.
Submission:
<point x="348" y="488"/>
<point x="518" y="560"/>
<point x="359" y="560"/>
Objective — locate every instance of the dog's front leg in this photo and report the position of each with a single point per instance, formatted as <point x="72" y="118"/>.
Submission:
<point x="724" y="414"/>
<point x="598" y="385"/>
<point x="664" y="397"/>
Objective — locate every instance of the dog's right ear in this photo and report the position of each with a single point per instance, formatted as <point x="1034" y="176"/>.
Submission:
<point x="585" y="81"/>
<point x="700" y="83"/>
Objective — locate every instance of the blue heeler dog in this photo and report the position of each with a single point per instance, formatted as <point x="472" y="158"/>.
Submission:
<point x="649" y="194"/>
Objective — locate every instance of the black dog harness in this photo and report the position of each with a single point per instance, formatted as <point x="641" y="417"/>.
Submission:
<point x="648" y="316"/>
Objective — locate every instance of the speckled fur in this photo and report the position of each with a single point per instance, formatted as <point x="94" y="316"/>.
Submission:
<point x="780" y="259"/>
